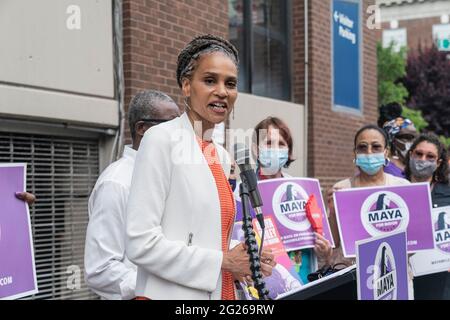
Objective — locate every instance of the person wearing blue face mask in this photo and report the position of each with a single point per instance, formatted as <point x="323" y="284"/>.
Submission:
<point x="273" y="147"/>
<point x="370" y="158"/>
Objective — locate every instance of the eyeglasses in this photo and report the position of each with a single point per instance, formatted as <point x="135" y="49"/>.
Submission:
<point x="364" y="148"/>
<point x="156" y="121"/>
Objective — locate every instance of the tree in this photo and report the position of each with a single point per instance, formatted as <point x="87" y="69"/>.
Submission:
<point x="416" y="117"/>
<point x="391" y="69"/>
<point x="428" y="83"/>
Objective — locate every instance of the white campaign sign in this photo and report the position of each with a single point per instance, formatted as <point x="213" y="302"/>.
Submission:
<point x="438" y="259"/>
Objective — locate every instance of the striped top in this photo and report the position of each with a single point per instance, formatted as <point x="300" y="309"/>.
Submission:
<point x="227" y="209"/>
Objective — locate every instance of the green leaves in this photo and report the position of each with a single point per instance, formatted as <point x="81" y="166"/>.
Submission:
<point x="422" y="82"/>
<point x="391" y="68"/>
<point x="416" y="117"/>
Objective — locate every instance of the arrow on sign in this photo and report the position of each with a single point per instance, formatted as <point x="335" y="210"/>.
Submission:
<point x="336" y="16"/>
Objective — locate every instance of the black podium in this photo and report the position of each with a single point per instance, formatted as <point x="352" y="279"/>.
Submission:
<point x="338" y="286"/>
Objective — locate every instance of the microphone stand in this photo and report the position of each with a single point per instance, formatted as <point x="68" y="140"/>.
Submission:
<point x="252" y="245"/>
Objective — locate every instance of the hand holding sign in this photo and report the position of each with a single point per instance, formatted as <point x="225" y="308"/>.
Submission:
<point x="26" y="196"/>
<point x="322" y="246"/>
<point x="17" y="268"/>
<point x="373" y="211"/>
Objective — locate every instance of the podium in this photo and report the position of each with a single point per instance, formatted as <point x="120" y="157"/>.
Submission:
<point x="337" y="286"/>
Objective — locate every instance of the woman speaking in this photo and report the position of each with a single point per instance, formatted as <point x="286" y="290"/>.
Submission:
<point x="181" y="208"/>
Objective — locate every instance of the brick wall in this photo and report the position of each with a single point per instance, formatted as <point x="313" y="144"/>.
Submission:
<point x="330" y="133"/>
<point x="419" y="32"/>
<point x="155" y="31"/>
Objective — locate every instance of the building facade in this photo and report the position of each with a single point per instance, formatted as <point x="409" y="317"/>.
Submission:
<point x="271" y="38"/>
<point x="59" y="113"/>
<point x="415" y="23"/>
<point x="72" y="67"/>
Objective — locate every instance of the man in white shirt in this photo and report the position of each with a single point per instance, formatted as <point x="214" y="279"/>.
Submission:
<point x="108" y="272"/>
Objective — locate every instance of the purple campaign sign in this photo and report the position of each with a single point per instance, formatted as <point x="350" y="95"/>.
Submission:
<point x="382" y="269"/>
<point x="17" y="271"/>
<point x="366" y="212"/>
<point x="284" y="199"/>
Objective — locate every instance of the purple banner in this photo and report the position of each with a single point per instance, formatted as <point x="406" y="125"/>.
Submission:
<point x="17" y="271"/>
<point x="366" y="212"/>
<point x="382" y="269"/>
<point x="284" y="200"/>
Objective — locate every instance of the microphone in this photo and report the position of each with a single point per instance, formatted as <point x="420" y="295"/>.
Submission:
<point x="248" y="190"/>
<point x="248" y="176"/>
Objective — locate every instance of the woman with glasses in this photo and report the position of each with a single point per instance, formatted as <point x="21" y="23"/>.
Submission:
<point x="370" y="158"/>
<point x="428" y="162"/>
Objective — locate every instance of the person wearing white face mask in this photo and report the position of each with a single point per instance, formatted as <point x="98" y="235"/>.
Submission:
<point x="273" y="145"/>
<point x="401" y="134"/>
<point x="428" y="162"/>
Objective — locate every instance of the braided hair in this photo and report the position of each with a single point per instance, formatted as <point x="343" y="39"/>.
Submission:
<point x="199" y="46"/>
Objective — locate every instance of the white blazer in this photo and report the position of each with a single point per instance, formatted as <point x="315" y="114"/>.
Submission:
<point x="173" y="224"/>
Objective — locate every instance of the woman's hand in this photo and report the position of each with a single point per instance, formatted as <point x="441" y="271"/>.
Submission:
<point x="322" y="248"/>
<point x="236" y="261"/>
<point x="267" y="262"/>
<point x="26" y="196"/>
<point x="267" y="257"/>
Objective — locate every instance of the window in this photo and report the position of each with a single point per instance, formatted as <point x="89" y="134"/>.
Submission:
<point x="260" y="30"/>
<point x="61" y="172"/>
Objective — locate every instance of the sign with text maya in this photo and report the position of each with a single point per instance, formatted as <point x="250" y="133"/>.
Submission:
<point x="374" y="211"/>
<point x="382" y="272"/>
